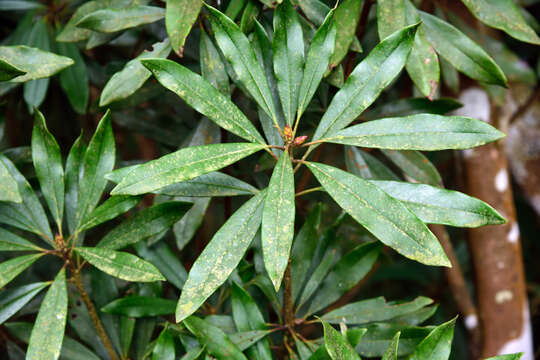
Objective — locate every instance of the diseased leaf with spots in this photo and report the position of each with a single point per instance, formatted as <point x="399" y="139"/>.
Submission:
<point x="110" y="20"/>
<point x="367" y="166"/>
<point x="36" y="63"/>
<point x="346" y="18"/>
<point x="278" y="220"/>
<point x="210" y="185"/>
<point x="110" y="209"/>
<point x="72" y="33"/>
<point x="148" y="222"/>
<point x="8" y="71"/>
<point x="161" y="256"/>
<point x="418" y="132"/>
<point x="337" y="345"/>
<point x="212" y="67"/>
<point x="184" y="164"/>
<point x="120" y="264"/>
<point x="12" y="242"/>
<point x="9" y="190"/>
<point x="13" y="267"/>
<point x="221" y="256"/>
<point x="415" y="165"/>
<point x="203" y="97"/>
<point x="386" y="218"/>
<point x="180" y="15"/>
<point x="48" y="331"/>
<point x="437" y="344"/>
<point x="392" y="351"/>
<point x="12" y="300"/>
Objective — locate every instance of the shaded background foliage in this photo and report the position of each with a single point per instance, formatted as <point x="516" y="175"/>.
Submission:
<point x="154" y="121"/>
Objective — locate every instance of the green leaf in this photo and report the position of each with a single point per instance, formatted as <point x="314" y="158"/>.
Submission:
<point x="380" y="336"/>
<point x="234" y="8"/>
<point x="317" y="277"/>
<point x="503" y="15"/>
<point x="148" y="222"/>
<point x="9" y="190"/>
<point x="132" y="77"/>
<point x="110" y="20"/>
<point x="73" y="167"/>
<point x="74" y="79"/>
<point x="210" y="185"/>
<point x="140" y="306"/>
<point x="418" y="132"/>
<point x="12" y="242"/>
<point x="120" y="264"/>
<point x="346" y="18"/>
<point x="247" y="316"/>
<point x="345" y="274"/>
<point x="440" y="206"/>
<point x="217" y="343"/>
<point x="245" y="339"/>
<point x="110" y="209"/>
<point x="72" y="33"/>
<point x="13" y="267"/>
<point x="304" y="247"/>
<point x="203" y="97"/>
<point x="367" y="81"/>
<point x="34" y="62"/>
<point x="185" y="229"/>
<point x="415" y="165"/>
<point x="249" y="16"/>
<point x="278" y="220"/>
<point x="179" y="18"/>
<point x="239" y="53"/>
<point x="337" y="345"/>
<point x="28" y="215"/>
<point x="506" y="357"/>
<point x="12" y="300"/>
<point x="315" y="10"/>
<point x="184" y="164"/>
<point x="48" y="331"/>
<point x="164" y="348"/>
<point x="367" y="166"/>
<point x="463" y="53"/>
<point x="317" y="61"/>
<point x="437" y="344"/>
<point x="12" y="5"/>
<point x="386" y="218"/>
<point x="48" y="165"/>
<point x="288" y="50"/>
<point x="374" y="310"/>
<point x="392" y="351"/>
<point x="212" y="67"/>
<point x="221" y="256"/>
<point x="8" y="71"/>
<point x="412" y="106"/>
<point x="165" y="260"/>
<point x="98" y="160"/>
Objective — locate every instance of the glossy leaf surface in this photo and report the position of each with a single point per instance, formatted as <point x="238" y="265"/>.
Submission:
<point x="110" y="20"/>
<point x="34" y="62"/>
<point x="180" y="15"/>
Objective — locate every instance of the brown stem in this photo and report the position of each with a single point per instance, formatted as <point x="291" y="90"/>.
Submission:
<point x="288" y="303"/>
<point x="77" y="280"/>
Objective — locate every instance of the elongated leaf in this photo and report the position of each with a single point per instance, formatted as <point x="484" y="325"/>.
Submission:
<point x="415" y="165"/>
<point x="132" y="77"/>
<point x="239" y="53"/>
<point x="34" y="62"/>
<point x="288" y="49"/>
<point x="48" y="332"/>
<point x="212" y="67"/>
<point x="278" y="220"/>
<point x="463" y="53"/>
<point x="110" y="20"/>
<point x="49" y="170"/>
<point x="13" y="267"/>
<point x="146" y="223"/>
<point x="367" y="166"/>
<point x="345" y="274"/>
<point x="12" y="242"/>
<point x="179" y="18"/>
<point x="418" y="132"/>
<point x="437" y="344"/>
<point x="412" y="106"/>
<point x="317" y="61"/>
<point x="121" y="265"/>
<point x="440" y="206"/>
<point x="9" y="190"/>
<point x="13" y="300"/>
<point x="110" y="209"/>
<point x="140" y="306"/>
<point x="374" y="310"/>
<point x="164" y="349"/>
<point x="379" y="337"/>
<point x="216" y="341"/>
<point x="165" y="260"/>
<point x="210" y="185"/>
<point x="8" y="71"/>
<point x="28" y="215"/>
<point x="317" y="277"/>
<point x="34" y="91"/>
<point x="185" y="229"/>
<point x="74" y="79"/>
<point x="392" y="351"/>
<point x="245" y="339"/>
<point x="247" y="316"/>
<point x="221" y="256"/>
<point x="386" y="218"/>
<point x="203" y="97"/>
<point x="98" y="160"/>
<point x="72" y="33"/>
<point x="184" y="164"/>
<point x="73" y="167"/>
<point x="503" y="15"/>
<point x="367" y="81"/>
<point x="346" y="19"/>
<point x="337" y="345"/>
